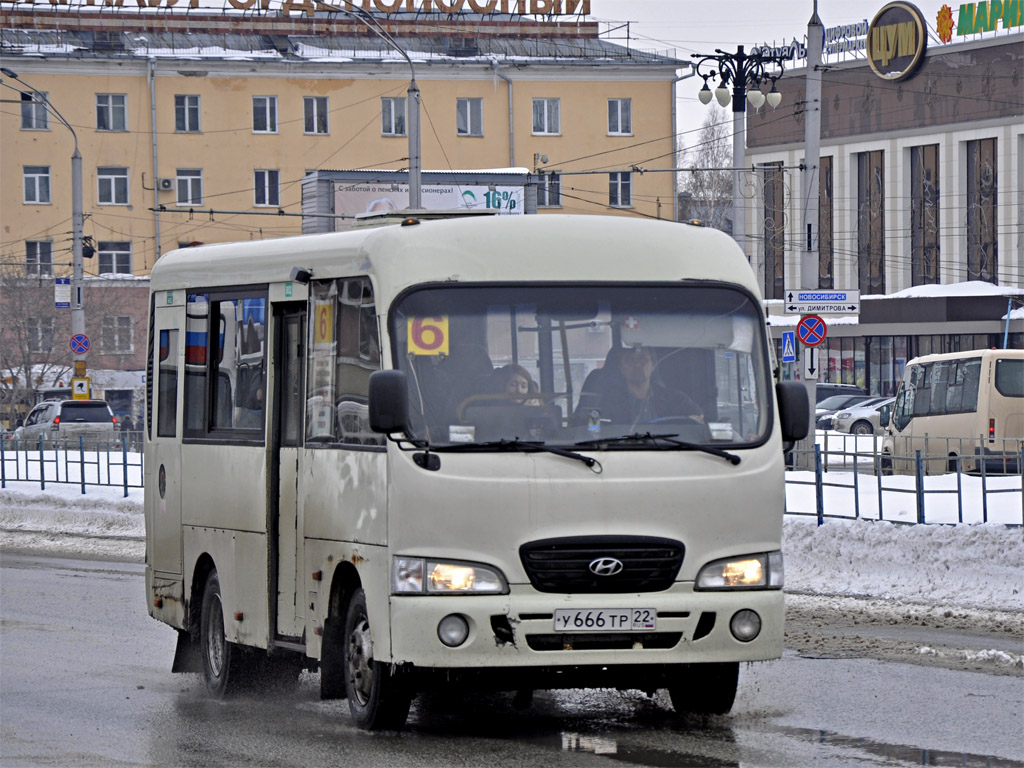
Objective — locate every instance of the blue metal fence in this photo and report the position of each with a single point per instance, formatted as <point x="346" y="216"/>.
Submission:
<point x="77" y="462"/>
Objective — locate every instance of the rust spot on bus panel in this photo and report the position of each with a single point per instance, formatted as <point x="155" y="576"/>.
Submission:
<point x="357" y="559"/>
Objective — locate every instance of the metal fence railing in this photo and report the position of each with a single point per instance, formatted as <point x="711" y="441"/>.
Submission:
<point x="846" y="479"/>
<point x="849" y="476"/>
<point x="74" y="461"/>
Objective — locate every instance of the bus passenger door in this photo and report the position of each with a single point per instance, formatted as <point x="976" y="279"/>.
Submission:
<point x="287" y="440"/>
<point x="163" y="462"/>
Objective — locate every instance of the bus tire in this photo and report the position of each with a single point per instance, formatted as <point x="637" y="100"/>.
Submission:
<point x="376" y="697"/>
<point x="222" y="660"/>
<point x="951" y="464"/>
<point x="886" y="464"/>
<point x="705" y="689"/>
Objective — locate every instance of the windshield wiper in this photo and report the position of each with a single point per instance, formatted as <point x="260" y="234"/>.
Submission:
<point x="637" y="437"/>
<point x="515" y="444"/>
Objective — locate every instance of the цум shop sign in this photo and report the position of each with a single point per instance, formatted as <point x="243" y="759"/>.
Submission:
<point x="896" y="42"/>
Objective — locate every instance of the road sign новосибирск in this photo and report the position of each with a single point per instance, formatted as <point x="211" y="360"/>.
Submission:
<point x="804" y="301"/>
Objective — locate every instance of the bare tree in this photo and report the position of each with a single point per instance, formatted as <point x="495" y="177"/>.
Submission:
<point x="30" y="355"/>
<point x="707" y="182"/>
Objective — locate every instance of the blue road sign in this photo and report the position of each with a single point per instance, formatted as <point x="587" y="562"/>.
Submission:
<point x="811" y="330"/>
<point x="789" y="346"/>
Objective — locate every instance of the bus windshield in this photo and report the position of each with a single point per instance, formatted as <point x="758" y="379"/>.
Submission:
<point x="604" y="365"/>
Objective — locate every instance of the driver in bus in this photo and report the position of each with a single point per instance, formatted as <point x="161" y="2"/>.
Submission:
<point x="627" y="392"/>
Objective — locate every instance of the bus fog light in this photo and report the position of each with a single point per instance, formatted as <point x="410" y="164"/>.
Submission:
<point x="453" y="630"/>
<point x="745" y="625"/>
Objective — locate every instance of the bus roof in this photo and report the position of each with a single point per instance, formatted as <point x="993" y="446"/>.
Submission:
<point x="500" y="248"/>
<point x="982" y="353"/>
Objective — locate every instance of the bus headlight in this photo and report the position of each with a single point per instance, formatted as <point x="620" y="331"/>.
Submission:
<point x="414" y="575"/>
<point x="762" y="571"/>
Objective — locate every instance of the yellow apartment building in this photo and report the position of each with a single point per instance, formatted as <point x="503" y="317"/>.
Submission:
<point x="200" y="126"/>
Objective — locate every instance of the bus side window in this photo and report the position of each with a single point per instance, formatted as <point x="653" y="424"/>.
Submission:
<point x="167" y="384"/>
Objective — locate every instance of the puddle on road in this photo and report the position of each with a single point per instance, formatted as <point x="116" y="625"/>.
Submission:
<point x="608" y="747"/>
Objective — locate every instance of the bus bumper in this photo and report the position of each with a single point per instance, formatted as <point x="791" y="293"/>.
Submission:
<point x="518" y="630"/>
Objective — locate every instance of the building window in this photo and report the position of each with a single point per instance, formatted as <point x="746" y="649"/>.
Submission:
<point x="115" y="258"/>
<point x="264" y="114"/>
<point x="190" y="186"/>
<point x="469" y="117"/>
<point x="37" y="184"/>
<point x="826" y="254"/>
<point x="34" y="116"/>
<point x="924" y="214"/>
<point x="774" y="231"/>
<point x="620" y="117"/>
<point x="116" y="335"/>
<point x="38" y="257"/>
<point x="549" y="192"/>
<point x="267" y="185"/>
<point x="186" y="114"/>
<point x="982" y="253"/>
<point x="111" y="112"/>
<point x="314" y="112"/>
<point x="871" y="222"/>
<point x="40" y="334"/>
<point x="620" y="189"/>
<point x="392" y="116"/>
<point x="112" y="184"/>
<point x="546" y="117"/>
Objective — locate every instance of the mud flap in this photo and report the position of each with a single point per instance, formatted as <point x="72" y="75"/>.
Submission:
<point x="332" y="661"/>
<point x="187" y="655"/>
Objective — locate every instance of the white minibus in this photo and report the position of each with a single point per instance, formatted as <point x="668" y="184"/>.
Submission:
<point x="963" y="408"/>
<point x="517" y="453"/>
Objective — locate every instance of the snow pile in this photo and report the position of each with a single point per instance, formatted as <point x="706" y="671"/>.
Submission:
<point x="963" y="567"/>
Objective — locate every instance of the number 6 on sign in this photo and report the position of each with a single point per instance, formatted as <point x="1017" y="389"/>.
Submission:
<point x="428" y="335"/>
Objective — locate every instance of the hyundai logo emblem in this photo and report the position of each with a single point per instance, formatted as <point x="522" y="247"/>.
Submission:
<point x="605" y="566"/>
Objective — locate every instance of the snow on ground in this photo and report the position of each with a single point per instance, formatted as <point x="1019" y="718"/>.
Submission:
<point x="971" y="566"/>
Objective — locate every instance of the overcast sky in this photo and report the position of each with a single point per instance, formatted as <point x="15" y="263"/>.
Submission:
<point x="699" y="26"/>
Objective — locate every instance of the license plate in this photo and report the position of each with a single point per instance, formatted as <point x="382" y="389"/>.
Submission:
<point x="605" y="620"/>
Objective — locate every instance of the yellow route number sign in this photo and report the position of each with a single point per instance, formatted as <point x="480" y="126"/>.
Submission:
<point x="428" y="335"/>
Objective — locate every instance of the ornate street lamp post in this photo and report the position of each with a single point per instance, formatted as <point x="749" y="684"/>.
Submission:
<point x="747" y="75"/>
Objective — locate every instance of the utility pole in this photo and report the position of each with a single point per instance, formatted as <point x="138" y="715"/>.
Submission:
<point x="811" y="179"/>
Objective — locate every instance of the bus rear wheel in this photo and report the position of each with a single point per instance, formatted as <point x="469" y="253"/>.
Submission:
<point x="705" y="689"/>
<point x="376" y="698"/>
<point x="223" y="662"/>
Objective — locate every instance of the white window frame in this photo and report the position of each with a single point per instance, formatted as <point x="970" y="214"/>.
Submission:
<point x="113" y="109"/>
<point x="39" y="257"/>
<point x="550" y="122"/>
<point x="187" y="113"/>
<point x="268" y="182"/>
<point x="312" y="106"/>
<point x="549" y="180"/>
<point x="117" y="335"/>
<point x="469" y="117"/>
<point x="620" y="117"/>
<point x="112" y="186"/>
<point x="119" y="254"/>
<point x="266" y="108"/>
<point x="393" y="117"/>
<point x="40" y="331"/>
<point x="620" y="189"/>
<point x="36" y="186"/>
<point x="189" y="181"/>
<point x="34" y="113"/>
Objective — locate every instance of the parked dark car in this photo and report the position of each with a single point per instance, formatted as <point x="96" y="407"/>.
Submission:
<point x="821" y="391"/>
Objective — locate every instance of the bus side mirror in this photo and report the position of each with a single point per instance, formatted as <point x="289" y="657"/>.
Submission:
<point x="794" y="410"/>
<point x="389" y="402"/>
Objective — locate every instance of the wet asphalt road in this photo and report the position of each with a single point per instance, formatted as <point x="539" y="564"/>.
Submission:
<point x="85" y="681"/>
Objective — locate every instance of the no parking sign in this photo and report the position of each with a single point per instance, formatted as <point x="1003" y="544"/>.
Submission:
<point x="811" y="330"/>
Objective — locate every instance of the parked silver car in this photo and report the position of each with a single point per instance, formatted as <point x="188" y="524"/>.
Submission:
<point x="864" y="419"/>
<point x="64" y="421"/>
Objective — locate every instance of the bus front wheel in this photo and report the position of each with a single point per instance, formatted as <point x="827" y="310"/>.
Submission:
<point x="222" y="661"/>
<point x="706" y="689"/>
<point x="376" y="698"/>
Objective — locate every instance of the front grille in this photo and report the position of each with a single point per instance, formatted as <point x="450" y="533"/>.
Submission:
<point x="649" y="564"/>
<point x="604" y="641"/>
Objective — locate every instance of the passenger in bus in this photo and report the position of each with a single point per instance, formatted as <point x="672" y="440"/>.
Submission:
<point x="515" y="381"/>
<point x="627" y="392"/>
<point x="251" y="414"/>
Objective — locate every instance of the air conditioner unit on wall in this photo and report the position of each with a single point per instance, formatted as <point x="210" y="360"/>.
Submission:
<point x="165" y="185"/>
